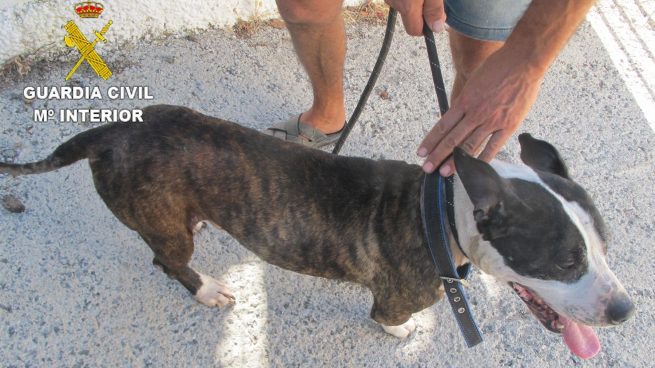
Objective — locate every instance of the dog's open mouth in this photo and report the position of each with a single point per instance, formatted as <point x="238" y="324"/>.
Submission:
<point x="579" y="338"/>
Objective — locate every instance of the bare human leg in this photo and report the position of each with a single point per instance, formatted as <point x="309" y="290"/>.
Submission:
<point x="468" y="53"/>
<point x="319" y="38"/>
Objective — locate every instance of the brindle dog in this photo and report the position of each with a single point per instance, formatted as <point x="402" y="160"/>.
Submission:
<point x="348" y="218"/>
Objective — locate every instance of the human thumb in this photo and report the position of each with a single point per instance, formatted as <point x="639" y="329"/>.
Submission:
<point x="434" y="15"/>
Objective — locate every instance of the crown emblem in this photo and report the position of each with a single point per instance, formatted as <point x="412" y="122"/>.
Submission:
<point x="89" y="9"/>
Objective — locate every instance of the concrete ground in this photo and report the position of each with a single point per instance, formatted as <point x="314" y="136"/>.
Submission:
<point x="77" y="288"/>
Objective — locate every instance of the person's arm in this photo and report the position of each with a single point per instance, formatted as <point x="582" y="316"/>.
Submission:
<point x="499" y="94"/>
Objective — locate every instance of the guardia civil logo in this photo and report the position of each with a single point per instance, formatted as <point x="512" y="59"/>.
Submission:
<point x="75" y="38"/>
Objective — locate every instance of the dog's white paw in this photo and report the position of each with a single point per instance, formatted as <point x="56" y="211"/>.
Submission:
<point x="199" y="226"/>
<point x="401" y="331"/>
<point x="214" y="293"/>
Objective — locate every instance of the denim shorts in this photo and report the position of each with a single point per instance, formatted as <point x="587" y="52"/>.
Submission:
<point x="488" y="20"/>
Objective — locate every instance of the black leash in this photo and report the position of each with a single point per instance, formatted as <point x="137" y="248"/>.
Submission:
<point x="435" y="67"/>
<point x="434" y="190"/>
<point x="382" y="56"/>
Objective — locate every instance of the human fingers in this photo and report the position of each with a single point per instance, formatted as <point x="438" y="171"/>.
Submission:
<point x="445" y="147"/>
<point x="439" y="131"/>
<point x="411" y="12"/>
<point x="495" y="144"/>
<point x="471" y="145"/>
<point x="447" y="168"/>
<point x="434" y="15"/>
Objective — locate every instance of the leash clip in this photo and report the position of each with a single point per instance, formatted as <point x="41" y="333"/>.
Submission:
<point x="450" y="280"/>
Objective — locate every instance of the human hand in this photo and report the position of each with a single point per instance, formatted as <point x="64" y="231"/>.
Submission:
<point x="414" y="12"/>
<point x="492" y="104"/>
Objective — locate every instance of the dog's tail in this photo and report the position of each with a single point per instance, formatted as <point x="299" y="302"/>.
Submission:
<point x="77" y="148"/>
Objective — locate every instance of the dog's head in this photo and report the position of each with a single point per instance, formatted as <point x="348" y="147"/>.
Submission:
<point x="540" y="232"/>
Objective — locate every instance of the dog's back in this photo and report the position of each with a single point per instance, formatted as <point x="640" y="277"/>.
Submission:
<point x="298" y="208"/>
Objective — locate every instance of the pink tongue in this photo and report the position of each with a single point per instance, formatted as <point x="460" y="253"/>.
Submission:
<point x="581" y="339"/>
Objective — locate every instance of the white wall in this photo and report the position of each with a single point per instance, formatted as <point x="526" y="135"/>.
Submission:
<point x="34" y="27"/>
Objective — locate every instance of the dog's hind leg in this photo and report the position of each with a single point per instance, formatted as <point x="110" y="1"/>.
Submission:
<point x="173" y="254"/>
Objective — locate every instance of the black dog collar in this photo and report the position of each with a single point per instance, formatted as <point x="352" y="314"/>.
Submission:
<point x="433" y="213"/>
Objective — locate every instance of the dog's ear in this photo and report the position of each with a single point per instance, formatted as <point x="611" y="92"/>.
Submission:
<point x="541" y="155"/>
<point x="483" y="185"/>
<point x="486" y="189"/>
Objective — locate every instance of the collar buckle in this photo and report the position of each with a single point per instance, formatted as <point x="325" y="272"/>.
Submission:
<point x="450" y="280"/>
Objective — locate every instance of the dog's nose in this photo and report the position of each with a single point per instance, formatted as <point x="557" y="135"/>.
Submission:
<point x="620" y="309"/>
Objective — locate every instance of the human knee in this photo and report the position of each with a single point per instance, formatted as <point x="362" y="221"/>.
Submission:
<point x="468" y="54"/>
<point x="466" y="63"/>
<point x="309" y="13"/>
<point x="465" y="69"/>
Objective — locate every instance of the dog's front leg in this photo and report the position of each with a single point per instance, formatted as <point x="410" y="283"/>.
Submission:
<point x="392" y="312"/>
<point x="401" y="331"/>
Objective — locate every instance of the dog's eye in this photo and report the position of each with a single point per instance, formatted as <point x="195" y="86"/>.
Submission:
<point x="568" y="264"/>
<point x="574" y="259"/>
